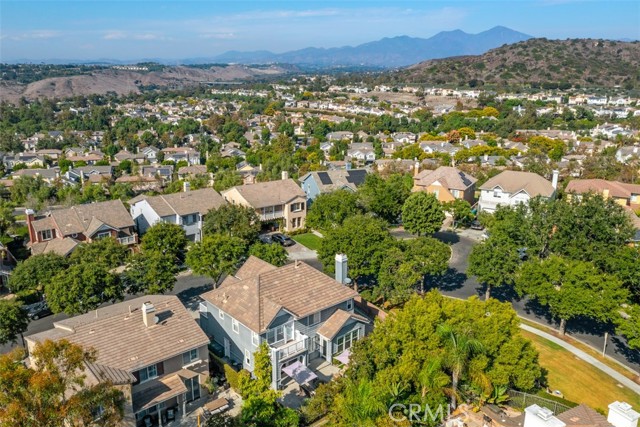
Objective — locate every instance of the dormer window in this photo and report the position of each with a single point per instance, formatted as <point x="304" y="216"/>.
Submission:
<point x="46" y="235"/>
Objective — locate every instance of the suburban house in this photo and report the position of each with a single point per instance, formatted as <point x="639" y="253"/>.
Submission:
<point x="274" y="202"/>
<point x="446" y="183"/>
<point x="176" y="154"/>
<point x="510" y="188"/>
<point x="316" y="183"/>
<point x="186" y="209"/>
<point x="61" y="230"/>
<point x="93" y="174"/>
<point x="362" y="151"/>
<point x="620" y="414"/>
<point x="628" y="153"/>
<point x="622" y="193"/>
<point x="305" y="316"/>
<point x="149" y="347"/>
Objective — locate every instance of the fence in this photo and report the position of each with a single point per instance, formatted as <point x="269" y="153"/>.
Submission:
<point x="523" y="400"/>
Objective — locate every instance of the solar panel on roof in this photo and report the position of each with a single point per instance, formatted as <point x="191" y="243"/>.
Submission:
<point x="325" y="179"/>
<point x="356" y="176"/>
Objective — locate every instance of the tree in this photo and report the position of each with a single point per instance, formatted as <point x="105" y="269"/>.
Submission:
<point x="106" y="251"/>
<point x="36" y="271"/>
<point x="331" y="209"/>
<point x="571" y="289"/>
<point x="629" y="326"/>
<point x="273" y="254"/>
<point x="150" y="272"/>
<point x="363" y="239"/>
<point x="216" y="255"/>
<point x="167" y="239"/>
<point x="233" y="220"/>
<point x="397" y="277"/>
<point x="429" y="255"/>
<point x="82" y="287"/>
<point x="53" y="390"/>
<point x="225" y="179"/>
<point x="460" y="210"/>
<point x="7" y="219"/>
<point x="460" y="347"/>
<point x="494" y="262"/>
<point x="13" y="321"/>
<point x="384" y="197"/>
<point x="422" y="214"/>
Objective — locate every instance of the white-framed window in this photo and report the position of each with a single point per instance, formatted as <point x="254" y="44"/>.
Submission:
<point x="148" y="373"/>
<point x="497" y="193"/>
<point x="350" y="304"/>
<point x="235" y="326"/>
<point x="297" y="207"/>
<point x="221" y="314"/>
<point x="255" y="339"/>
<point x="280" y="333"/>
<point x="315" y="318"/>
<point x="247" y="357"/>
<point x="103" y="234"/>
<point x="455" y="193"/>
<point x="46" y="235"/>
<point x="346" y="341"/>
<point x="190" y="219"/>
<point x="189" y="356"/>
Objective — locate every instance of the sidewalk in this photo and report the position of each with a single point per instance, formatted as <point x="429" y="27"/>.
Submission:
<point x="586" y="357"/>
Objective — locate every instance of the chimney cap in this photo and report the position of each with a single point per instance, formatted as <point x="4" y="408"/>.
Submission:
<point x="29" y="212"/>
<point x="148" y="307"/>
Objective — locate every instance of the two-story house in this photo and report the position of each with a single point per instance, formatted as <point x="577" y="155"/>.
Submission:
<point x="622" y="193"/>
<point x="186" y="209"/>
<point x="446" y="183"/>
<point x="316" y="183"/>
<point x="61" y="230"/>
<point x="176" y="154"/>
<point x="150" y="348"/>
<point x="274" y="202"/>
<point x="301" y="313"/>
<point x="510" y="188"/>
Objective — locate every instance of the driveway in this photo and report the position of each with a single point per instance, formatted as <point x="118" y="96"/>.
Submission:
<point x="300" y="252"/>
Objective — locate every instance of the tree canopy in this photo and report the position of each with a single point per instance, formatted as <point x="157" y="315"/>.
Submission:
<point x="13" y="320"/>
<point x="36" y="271"/>
<point x="216" y="255"/>
<point x="167" y="239"/>
<point x="274" y="254"/>
<point x="233" y="220"/>
<point x="384" y="197"/>
<point x="494" y="262"/>
<point x="422" y="214"/>
<point x="331" y="209"/>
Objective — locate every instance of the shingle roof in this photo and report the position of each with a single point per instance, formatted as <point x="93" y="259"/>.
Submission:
<point x="616" y="189"/>
<point x="336" y="179"/>
<point x="61" y="247"/>
<point x="115" y="376"/>
<point x="256" y="294"/>
<point x="263" y="194"/>
<point x="121" y="338"/>
<point x="160" y="390"/>
<point x="516" y="181"/>
<point x="333" y="324"/>
<point x="77" y="219"/>
<point x="448" y="176"/>
<point x="184" y="203"/>
<point x="583" y="416"/>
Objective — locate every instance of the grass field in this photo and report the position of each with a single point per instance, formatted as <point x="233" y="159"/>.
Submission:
<point x="577" y="380"/>
<point x="309" y="240"/>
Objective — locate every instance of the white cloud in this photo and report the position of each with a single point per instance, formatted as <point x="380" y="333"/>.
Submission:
<point x="33" y="35"/>
<point x="127" y="35"/>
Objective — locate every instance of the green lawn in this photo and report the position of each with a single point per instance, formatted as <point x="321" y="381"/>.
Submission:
<point x="309" y="240"/>
<point x="577" y="380"/>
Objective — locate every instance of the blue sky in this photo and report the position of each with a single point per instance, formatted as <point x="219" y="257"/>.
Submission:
<point x="121" y="29"/>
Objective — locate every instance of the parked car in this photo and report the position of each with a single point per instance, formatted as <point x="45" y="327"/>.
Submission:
<point x="38" y="310"/>
<point x="265" y="238"/>
<point x="282" y="239"/>
<point x="475" y="225"/>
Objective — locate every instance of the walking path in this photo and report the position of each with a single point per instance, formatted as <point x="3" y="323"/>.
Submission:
<point x="627" y="382"/>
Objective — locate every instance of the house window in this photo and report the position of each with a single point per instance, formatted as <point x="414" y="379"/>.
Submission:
<point x="190" y="219"/>
<point x="280" y="333"/>
<point x="103" y="234"/>
<point x="221" y="314"/>
<point x="189" y="356"/>
<point x="314" y="319"/>
<point x="350" y="304"/>
<point x="346" y="341"/>
<point x="255" y="339"/>
<point x="296" y="207"/>
<point x="46" y="235"/>
<point x="455" y="193"/>
<point x="496" y="193"/>
<point x="148" y="373"/>
<point x="247" y="357"/>
<point x="235" y="326"/>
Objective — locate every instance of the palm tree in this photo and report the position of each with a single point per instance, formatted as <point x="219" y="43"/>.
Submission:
<point x="460" y="347"/>
<point x="433" y="379"/>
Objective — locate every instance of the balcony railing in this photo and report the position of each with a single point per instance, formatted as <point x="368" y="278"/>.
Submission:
<point x="272" y="215"/>
<point x="293" y="348"/>
<point x="128" y="240"/>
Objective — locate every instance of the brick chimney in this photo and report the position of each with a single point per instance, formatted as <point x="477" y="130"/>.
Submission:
<point x="33" y="237"/>
<point x="148" y="317"/>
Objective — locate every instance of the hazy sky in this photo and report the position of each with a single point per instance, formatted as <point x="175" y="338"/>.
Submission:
<point x="120" y="29"/>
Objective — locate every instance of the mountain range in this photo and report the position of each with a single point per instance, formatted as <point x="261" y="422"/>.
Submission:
<point x="385" y="53"/>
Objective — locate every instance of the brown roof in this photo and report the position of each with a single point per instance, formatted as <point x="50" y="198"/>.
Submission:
<point x="61" y="247"/>
<point x="271" y="193"/>
<point x="121" y="338"/>
<point x="583" y="416"/>
<point x="162" y="389"/>
<point x="515" y="181"/>
<point x="42" y="224"/>
<point x="193" y="169"/>
<point x="183" y="203"/>
<point x="333" y="324"/>
<point x="448" y="176"/>
<point x="77" y="219"/>
<point x="115" y="376"/>
<point x="257" y="293"/>
<point x="616" y="189"/>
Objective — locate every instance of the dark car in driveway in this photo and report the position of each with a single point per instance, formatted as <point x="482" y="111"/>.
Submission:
<point x="38" y="310"/>
<point x="475" y="225"/>
<point x="265" y="238"/>
<point x="282" y="239"/>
